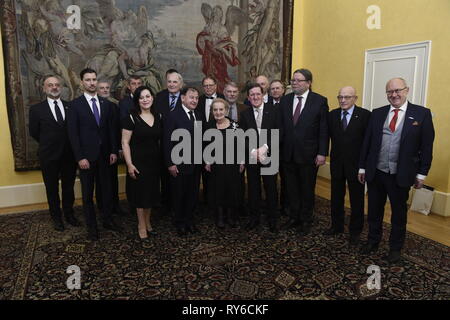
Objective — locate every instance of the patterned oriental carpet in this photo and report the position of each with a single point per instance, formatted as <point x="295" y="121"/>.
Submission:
<point x="218" y="265"/>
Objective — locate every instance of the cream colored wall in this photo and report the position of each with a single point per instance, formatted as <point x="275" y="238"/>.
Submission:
<point x="330" y="39"/>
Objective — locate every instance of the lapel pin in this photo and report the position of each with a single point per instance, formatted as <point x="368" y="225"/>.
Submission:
<point x="411" y="118"/>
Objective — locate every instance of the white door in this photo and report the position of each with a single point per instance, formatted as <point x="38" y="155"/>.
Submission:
<point x="409" y="61"/>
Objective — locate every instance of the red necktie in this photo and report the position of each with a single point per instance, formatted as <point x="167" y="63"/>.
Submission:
<point x="297" y="110"/>
<point x="394" y="120"/>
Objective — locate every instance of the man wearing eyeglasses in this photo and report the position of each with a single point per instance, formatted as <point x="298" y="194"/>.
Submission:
<point x="396" y="154"/>
<point x="205" y="100"/>
<point x="304" y="146"/>
<point x="346" y="126"/>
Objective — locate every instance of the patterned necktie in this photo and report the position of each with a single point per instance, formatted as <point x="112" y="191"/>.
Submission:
<point x="297" y="110"/>
<point x="258" y="117"/>
<point x="344" y="120"/>
<point x="394" y="120"/>
<point x="59" y="117"/>
<point x="172" y="101"/>
<point x="95" y="109"/>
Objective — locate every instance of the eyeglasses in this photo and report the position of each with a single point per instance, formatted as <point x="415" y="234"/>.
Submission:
<point x="298" y="81"/>
<point x="344" y="97"/>
<point x="397" y="91"/>
<point x="208" y="85"/>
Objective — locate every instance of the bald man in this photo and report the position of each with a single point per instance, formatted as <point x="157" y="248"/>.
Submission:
<point x="346" y="126"/>
<point x="396" y="154"/>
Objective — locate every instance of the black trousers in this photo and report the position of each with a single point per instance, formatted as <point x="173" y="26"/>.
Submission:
<point x="99" y="173"/>
<point x="385" y="185"/>
<point x="301" y="184"/>
<point x="284" y="199"/>
<point x="114" y="189"/>
<point x="254" y="178"/>
<point x="185" y="193"/>
<point x="356" y="191"/>
<point x="52" y="171"/>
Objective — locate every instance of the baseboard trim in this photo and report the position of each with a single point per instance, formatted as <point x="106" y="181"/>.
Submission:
<point x="26" y="194"/>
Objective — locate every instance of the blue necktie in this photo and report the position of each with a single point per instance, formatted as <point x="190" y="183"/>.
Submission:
<point x="172" y="102"/>
<point x="344" y="120"/>
<point x="96" y="113"/>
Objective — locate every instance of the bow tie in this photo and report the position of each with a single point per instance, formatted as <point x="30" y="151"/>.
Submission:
<point x="209" y="97"/>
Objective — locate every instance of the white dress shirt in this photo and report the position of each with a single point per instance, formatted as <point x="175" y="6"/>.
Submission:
<point x="208" y="103"/>
<point x="51" y="103"/>
<point x="97" y="102"/>
<point x="305" y="96"/>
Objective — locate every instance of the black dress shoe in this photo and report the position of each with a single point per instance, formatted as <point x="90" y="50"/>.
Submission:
<point x="332" y="232"/>
<point x="72" y="221"/>
<point x="393" y="256"/>
<point x="251" y="225"/>
<point x="369" y="248"/>
<point x="291" y="224"/>
<point x="192" y="229"/>
<point x="58" y="225"/>
<point x="93" y="235"/>
<point x="273" y="227"/>
<point x="304" y="229"/>
<point x="118" y="211"/>
<point x="110" y="225"/>
<point x="353" y="240"/>
<point x="181" y="232"/>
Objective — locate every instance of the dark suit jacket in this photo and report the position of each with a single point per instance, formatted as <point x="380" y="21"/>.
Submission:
<point x="52" y="137"/>
<point x="88" y="139"/>
<point x="178" y="119"/>
<point x="125" y="106"/>
<point x="346" y="145"/>
<point x="202" y="105"/>
<point x="309" y="138"/>
<point x="416" y="144"/>
<point x="240" y="108"/>
<point x="270" y="121"/>
<point x="161" y="103"/>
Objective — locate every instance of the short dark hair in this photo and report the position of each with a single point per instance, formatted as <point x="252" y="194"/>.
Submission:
<point x="306" y="73"/>
<point x="136" y="96"/>
<point x="277" y="80"/>
<point x="209" y="78"/>
<point x="184" y="91"/>
<point x="252" y="86"/>
<point x="169" y="71"/>
<point x="134" y="77"/>
<point x="87" y="70"/>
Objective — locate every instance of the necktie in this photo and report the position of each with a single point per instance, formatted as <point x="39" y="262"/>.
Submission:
<point x="172" y="101"/>
<point x="344" y="120"/>
<point x="95" y="109"/>
<point x="210" y="98"/>
<point x="258" y="117"/>
<point x="297" y="110"/>
<point x="191" y="116"/>
<point x="59" y="117"/>
<point x="394" y="120"/>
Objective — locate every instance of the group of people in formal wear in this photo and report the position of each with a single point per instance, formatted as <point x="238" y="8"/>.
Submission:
<point x="389" y="148"/>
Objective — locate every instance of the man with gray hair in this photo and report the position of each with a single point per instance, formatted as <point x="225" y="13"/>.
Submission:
<point x="396" y="154"/>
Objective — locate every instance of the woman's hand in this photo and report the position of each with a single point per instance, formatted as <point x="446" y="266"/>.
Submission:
<point x="241" y="168"/>
<point x="208" y="167"/>
<point x="132" y="171"/>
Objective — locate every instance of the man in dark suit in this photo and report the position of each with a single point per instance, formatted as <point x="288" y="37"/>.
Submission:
<point x="126" y="104"/>
<point x="347" y="126"/>
<point x="167" y="101"/>
<point x="263" y="82"/>
<point x="277" y="90"/>
<point x="231" y="94"/>
<point x="396" y="154"/>
<point x="304" y="146"/>
<point x="104" y="91"/>
<point x="92" y="134"/>
<point x="47" y="126"/>
<point x="260" y="116"/>
<point x="184" y="174"/>
<point x="209" y="85"/>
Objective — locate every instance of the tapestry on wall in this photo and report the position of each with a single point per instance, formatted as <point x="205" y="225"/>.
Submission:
<point x="228" y="39"/>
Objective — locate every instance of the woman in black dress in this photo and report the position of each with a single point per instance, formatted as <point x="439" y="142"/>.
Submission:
<point x="141" y="134"/>
<point x="225" y="179"/>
